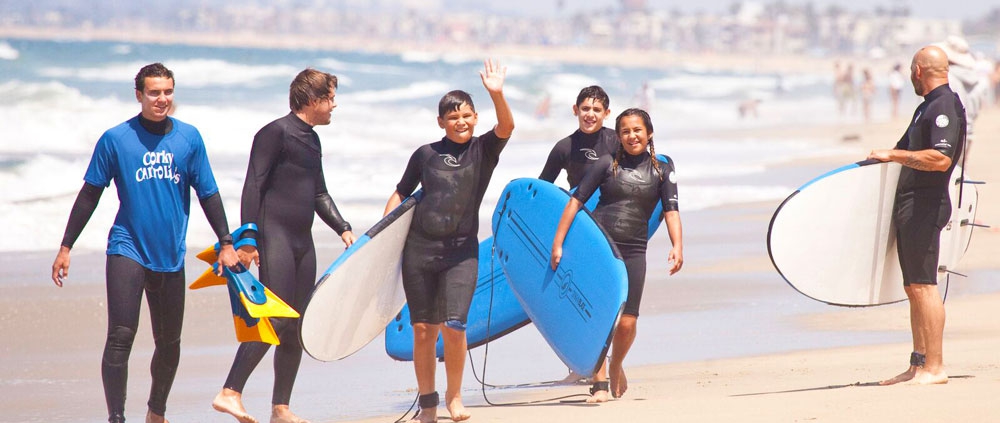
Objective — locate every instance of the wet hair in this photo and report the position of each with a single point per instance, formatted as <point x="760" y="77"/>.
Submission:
<point x="595" y="92"/>
<point x="648" y="123"/>
<point x="454" y="101"/>
<point x="153" y="70"/>
<point x="308" y="86"/>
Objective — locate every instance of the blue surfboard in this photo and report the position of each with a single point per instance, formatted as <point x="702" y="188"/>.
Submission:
<point x="494" y="311"/>
<point x="576" y="306"/>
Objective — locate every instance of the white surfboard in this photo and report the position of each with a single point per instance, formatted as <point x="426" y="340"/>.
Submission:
<point x="833" y="239"/>
<point x="360" y="292"/>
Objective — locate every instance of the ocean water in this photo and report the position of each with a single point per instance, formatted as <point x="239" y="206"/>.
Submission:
<point x="57" y="98"/>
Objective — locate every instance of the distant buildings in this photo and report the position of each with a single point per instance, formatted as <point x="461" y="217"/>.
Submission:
<point x="748" y="27"/>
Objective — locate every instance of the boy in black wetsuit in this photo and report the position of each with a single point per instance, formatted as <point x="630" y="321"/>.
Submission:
<point x="631" y="183"/>
<point x="284" y="189"/>
<point x="592" y="140"/>
<point x="440" y="259"/>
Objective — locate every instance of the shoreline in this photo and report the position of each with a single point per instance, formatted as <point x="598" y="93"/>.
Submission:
<point x="634" y="58"/>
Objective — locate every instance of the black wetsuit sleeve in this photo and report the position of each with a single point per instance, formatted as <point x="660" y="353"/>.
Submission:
<point x="668" y="187"/>
<point x="264" y="153"/>
<point x="83" y="209"/>
<point x="411" y="176"/>
<point x="493" y="144"/>
<point x="944" y="127"/>
<point x="554" y="164"/>
<point x="216" y="214"/>
<point x="593" y="179"/>
<point x="327" y="209"/>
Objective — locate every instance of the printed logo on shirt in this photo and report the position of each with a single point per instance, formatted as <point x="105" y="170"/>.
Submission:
<point x="941" y="121"/>
<point x="449" y="160"/>
<point x="157" y="165"/>
<point x="917" y="117"/>
<point x="589" y="153"/>
<point x="943" y="143"/>
<point x="672" y="177"/>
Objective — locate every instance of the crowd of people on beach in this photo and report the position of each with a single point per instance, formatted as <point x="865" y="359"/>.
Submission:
<point x="285" y="189"/>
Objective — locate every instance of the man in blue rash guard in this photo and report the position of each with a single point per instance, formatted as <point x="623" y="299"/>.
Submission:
<point x="928" y="150"/>
<point x="284" y="189"/>
<point x="154" y="161"/>
<point x="440" y="258"/>
<point x="592" y="140"/>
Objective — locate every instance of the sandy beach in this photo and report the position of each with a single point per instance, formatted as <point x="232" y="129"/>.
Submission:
<point x="815" y="362"/>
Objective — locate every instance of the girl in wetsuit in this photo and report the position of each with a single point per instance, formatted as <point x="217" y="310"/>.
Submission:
<point x="440" y="258"/>
<point x="631" y="183"/>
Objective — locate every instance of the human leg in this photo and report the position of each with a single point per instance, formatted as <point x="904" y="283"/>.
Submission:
<point x="929" y="320"/>
<point x="424" y="366"/>
<point x="124" y="290"/>
<point x="165" y="297"/>
<point x="459" y="283"/>
<point x="288" y="355"/>
<point x="635" y="266"/>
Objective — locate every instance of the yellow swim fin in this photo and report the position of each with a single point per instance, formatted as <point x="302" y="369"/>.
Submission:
<point x="209" y="255"/>
<point x="209" y="278"/>
<point x="260" y="332"/>
<point x="272" y="307"/>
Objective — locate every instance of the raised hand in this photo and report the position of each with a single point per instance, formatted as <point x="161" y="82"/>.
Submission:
<point x="493" y="75"/>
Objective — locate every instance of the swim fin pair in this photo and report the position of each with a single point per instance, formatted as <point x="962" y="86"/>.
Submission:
<point x="251" y="302"/>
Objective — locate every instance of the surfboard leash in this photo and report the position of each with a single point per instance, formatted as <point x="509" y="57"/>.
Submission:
<point x="486" y="350"/>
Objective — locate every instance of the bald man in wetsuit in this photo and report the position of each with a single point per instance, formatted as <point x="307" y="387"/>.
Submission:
<point x="928" y="151"/>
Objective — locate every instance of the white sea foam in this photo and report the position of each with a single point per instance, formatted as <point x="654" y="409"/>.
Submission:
<point x="424" y="89"/>
<point x="8" y="52"/>
<point x="194" y="73"/>
<point x="339" y="66"/>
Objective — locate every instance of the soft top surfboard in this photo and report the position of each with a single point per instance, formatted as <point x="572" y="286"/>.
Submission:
<point x="494" y="311"/>
<point x="833" y="239"/>
<point x="361" y="291"/>
<point x="576" y="306"/>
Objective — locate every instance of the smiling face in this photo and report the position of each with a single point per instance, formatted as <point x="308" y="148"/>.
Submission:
<point x="633" y="134"/>
<point x="591" y="114"/>
<point x="459" y="124"/>
<point x="320" y="111"/>
<point x="156" y="97"/>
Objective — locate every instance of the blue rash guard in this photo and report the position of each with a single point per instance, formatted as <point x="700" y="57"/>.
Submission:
<point x="152" y="170"/>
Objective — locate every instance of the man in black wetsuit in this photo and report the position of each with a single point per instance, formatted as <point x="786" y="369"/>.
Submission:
<point x="284" y="188"/>
<point x="592" y="140"/>
<point x="928" y="151"/>
<point x="154" y="161"/>
<point x="441" y="255"/>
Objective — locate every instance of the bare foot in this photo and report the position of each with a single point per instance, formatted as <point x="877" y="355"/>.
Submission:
<point x="456" y="409"/>
<point x="902" y="377"/>
<point x="924" y="377"/>
<point x="598" y="397"/>
<point x="281" y="414"/>
<point x="152" y="417"/>
<point x="619" y="383"/>
<point x="229" y="401"/>
<point x="426" y="415"/>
